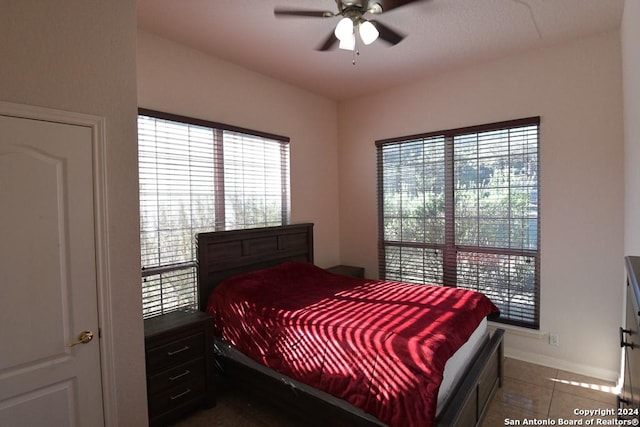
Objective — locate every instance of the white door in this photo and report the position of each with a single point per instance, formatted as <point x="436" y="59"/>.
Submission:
<point x="48" y="293"/>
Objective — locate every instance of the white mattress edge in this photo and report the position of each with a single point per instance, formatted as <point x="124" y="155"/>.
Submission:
<point x="457" y="364"/>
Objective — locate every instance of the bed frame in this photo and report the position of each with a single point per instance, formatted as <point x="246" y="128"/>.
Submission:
<point x="228" y="253"/>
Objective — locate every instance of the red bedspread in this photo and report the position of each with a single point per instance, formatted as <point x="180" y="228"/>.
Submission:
<point x="382" y="346"/>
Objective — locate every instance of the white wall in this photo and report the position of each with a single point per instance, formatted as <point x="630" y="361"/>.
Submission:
<point x="630" y="33"/>
<point x="80" y="56"/>
<point x="576" y="89"/>
<point x="175" y="79"/>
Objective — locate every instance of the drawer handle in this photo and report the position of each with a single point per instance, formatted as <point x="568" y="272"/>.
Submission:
<point x="179" y="395"/>
<point x="621" y="400"/>
<point x="186" y="372"/>
<point x="623" y="343"/>
<point x="173" y="353"/>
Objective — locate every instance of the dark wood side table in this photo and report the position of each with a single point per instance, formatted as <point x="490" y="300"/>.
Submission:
<point x="347" y="270"/>
<point x="179" y="358"/>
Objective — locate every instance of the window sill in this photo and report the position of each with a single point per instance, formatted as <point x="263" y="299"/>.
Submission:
<point x="516" y="330"/>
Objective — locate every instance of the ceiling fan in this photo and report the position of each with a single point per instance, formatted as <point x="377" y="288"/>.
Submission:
<point x="353" y="21"/>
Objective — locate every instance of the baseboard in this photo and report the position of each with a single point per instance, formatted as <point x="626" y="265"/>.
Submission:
<point x="549" y="361"/>
<point x="552" y="362"/>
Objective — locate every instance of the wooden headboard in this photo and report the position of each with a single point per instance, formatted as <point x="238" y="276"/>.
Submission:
<point x="222" y="254"/>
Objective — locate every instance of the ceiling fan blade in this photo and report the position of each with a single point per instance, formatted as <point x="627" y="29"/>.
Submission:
<point x="329" y="43"/>
<point x="386" y="33"/>
<point x="388" y="5"/>
<point x="280" y="11"/>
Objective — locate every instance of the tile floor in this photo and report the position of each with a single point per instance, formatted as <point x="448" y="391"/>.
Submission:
<point x="529" y="391"/>
<point x="539" y="393"/>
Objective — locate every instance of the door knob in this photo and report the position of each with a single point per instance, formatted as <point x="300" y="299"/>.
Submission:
<point x="83" y="338"/>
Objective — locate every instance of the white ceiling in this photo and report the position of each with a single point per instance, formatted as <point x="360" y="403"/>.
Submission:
<point x="441" y="35"/>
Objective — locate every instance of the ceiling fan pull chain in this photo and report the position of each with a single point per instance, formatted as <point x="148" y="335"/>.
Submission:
<point x="355" y="52"/>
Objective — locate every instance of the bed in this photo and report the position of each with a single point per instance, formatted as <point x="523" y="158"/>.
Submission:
<point x="224" y="256"/>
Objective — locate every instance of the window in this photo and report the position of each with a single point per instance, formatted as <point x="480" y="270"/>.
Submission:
<point x="460" y="208"/>
<point x="200" y="176"/>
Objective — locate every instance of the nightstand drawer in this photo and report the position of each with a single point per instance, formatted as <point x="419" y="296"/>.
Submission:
<point x="177" y="396"/>
<point x="174" y="377"/>
<point x="179" y="356"/>
<point x="175" y="352"/>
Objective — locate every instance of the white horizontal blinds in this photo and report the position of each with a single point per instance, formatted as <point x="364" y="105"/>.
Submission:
<point x="496" y="217"/>
<point x="197" y="177"/>
<point x="412" y="179"/>
<point x="168" y="291"/>
<point x="256" y="177"/>
<point x="460" y="208"/>
<point x="496" y="175"/>
<point x="176" y="202"/>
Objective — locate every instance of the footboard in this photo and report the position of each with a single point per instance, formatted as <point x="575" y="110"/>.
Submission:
<point x="468" y="405"/>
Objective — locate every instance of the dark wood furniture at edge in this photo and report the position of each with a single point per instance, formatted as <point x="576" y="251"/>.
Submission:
<point x="228" y="253"/>
<point x="347" y="270"/>
<point x="629" y="399"/>
<point x="179" y="357"/>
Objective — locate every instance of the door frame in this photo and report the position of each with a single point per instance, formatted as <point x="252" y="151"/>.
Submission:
<point x="97" y="126"/>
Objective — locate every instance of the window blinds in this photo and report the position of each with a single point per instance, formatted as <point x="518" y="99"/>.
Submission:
<point x="198" y="176"/>
<point x="460" y="208"/>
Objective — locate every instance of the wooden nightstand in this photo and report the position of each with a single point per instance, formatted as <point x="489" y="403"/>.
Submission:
<point x="179" y="356"/>
<point x="347" y="270"/>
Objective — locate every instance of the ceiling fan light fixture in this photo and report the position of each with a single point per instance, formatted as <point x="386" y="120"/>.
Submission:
<point x="344" y="29"/>
<point x="353" y="28"/>
<point x="349" y="43"/>
<point x="368" y="32"/>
